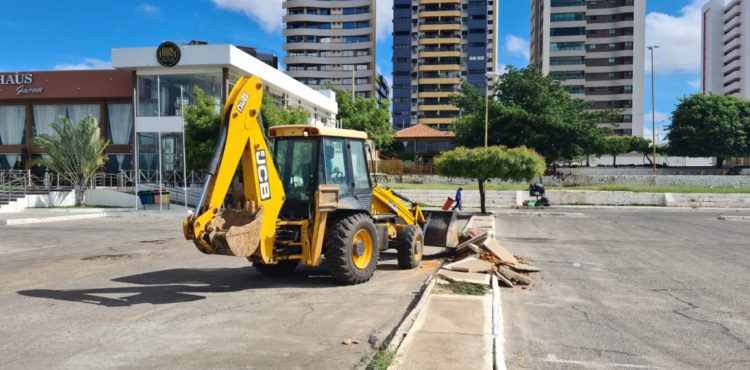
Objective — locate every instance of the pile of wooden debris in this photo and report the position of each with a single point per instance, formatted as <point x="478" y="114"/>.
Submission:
<point x="479" y="257"/>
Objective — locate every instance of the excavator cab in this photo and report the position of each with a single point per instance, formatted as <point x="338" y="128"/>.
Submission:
<point x="306" y="159"/>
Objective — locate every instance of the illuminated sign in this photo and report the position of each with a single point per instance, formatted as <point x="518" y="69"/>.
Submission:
<point x="168" y="54"/>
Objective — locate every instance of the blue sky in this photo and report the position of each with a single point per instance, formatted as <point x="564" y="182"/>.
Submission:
<point x="79" y="34"/>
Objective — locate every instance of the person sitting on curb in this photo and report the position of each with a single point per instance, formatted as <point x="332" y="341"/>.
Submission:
<point x="458" y="199"/>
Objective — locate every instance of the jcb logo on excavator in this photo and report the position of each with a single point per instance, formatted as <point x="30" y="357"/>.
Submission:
<point x="262" y="165"/>
<point x="241" y="104"/>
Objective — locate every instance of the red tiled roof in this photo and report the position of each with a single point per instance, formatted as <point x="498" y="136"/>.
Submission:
<point x="422" y="131"/>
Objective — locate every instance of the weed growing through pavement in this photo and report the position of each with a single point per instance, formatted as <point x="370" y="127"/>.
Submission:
<point x="466" y="288"/>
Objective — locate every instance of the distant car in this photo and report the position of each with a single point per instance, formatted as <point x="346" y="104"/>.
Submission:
<point x="739" y="170"/>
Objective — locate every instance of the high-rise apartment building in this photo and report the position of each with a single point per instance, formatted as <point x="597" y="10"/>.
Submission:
<point x="331" y="43"/>
<point x="725" y="63"/>
<point x="596" y="48"/>
<point x="437" y="44"/>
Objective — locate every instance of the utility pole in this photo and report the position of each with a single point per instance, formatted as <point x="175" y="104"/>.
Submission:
<point x="653" y="108"/>
<point x="353" y="69"/>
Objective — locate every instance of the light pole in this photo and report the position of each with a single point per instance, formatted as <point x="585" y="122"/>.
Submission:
<point x="653" y="108"/>
<point x="492" y="76"/>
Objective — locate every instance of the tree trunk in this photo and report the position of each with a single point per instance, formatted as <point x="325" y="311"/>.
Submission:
<point x="614" y="160"/>
<point x="587" y="161"/>
<point x="719" y="162"/>
<point x="80" y="190"/>
<point x="481" y="195"/>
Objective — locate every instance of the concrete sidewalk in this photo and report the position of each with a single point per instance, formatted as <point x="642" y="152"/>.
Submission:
<point x="43" y="215"/>
<point x="451" y="332"/>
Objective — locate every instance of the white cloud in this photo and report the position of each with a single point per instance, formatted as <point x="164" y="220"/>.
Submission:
<point x="148" y="9"/>
<point x="384" y="20"/>
<point x="88" y="63"/>
<point x="678" y="38"/>
<point x="267" y="13"/>
<point x="517" y="46"/>
<point x="662" y="121"/>
<point x="696" y="84"/>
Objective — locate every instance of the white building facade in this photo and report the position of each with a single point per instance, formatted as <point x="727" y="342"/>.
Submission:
<point x="725" y="63"/>
<point x="164" y="79"/>
<point x="597" y="50"/>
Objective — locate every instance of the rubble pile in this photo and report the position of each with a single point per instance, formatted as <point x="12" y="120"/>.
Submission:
<point x="480" y="256"/>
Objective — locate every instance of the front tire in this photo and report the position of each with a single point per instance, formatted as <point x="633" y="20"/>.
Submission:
<point x="410" y="247"/>
<point x="351" y="249"/>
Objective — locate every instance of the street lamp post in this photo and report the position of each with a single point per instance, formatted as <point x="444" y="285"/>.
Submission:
<point x="492" y="76"/>
<point x="653" y="108"/>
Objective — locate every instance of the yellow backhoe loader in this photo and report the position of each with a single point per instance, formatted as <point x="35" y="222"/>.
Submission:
<point x="306" y="194"/>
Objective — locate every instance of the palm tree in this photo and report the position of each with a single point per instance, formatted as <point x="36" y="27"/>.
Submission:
<point x="75" y="152"/>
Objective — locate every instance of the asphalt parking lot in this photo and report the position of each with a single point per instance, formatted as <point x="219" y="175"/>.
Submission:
<point x="132" y="293"/>
<point x="629" y="288"/>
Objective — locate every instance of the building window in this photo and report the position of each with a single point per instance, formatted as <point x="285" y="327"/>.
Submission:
<point x="165" y="96"/>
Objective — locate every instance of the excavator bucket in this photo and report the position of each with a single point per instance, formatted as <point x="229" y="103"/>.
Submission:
<point x="237" y="232"/>
<point x="441" y="228"/>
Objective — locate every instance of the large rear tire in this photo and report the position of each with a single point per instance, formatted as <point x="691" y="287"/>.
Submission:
<point x="283" y="268"/>
<point x="410" y="247"/>
<point x="351" y="249"/>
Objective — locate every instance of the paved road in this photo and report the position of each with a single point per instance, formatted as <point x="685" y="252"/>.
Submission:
<point x="629" y="288"/>
<point x="131" y="292"/>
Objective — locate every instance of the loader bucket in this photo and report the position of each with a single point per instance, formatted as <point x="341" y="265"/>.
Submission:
<point x="237" y="232"/>
<point x="441" y="228"/>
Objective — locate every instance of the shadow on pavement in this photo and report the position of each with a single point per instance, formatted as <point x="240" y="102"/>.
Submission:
<point x="187" y="285"/>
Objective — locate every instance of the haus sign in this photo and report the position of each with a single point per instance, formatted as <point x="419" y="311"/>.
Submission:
<point x="21" y="81"/>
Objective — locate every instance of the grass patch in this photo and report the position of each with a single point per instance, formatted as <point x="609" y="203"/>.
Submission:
<point x="515" y="187"/>
<point x="382" y="358"/>
<point x="466" y="288"/>
<point x="466" y="186"/>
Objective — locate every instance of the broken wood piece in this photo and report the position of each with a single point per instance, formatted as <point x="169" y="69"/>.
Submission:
<point x="464" y="277"/>
<point x="513" y="276"/>
<point x="475" y="240"/>
<point x="493" y="246"/>
<point x="468" y="247"/>
<point x="503" y="281"/>
<point x="470" y="264"/>
<point x="522" y="267"/>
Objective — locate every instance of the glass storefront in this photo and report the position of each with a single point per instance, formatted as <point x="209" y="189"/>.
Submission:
<point x="171" y="151"/>
<point x="164" y="95"/>
<point x="12" y="123"/>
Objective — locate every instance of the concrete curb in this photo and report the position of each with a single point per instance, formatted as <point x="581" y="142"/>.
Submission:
<point x="734" y="218"/>
<point x="38" y="220"/>
<point x="404" y="329"/>
<point x="498" y="331"/>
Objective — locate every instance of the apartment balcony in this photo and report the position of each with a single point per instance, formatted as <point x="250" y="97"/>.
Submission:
<point x="607" y="69"/>
<point x="327" y="60"/>
<point x="440" y="40"/>
<point x="326" y="18"/>
<point x="324" y="4"/>
<point x="440" y="27"/>
<point x="609" y="11"/>
<point x="439" y="81"/>
<point x="737" y="63"/>
<point x="328" y="46"/>
<point x="331" y="74"/>
<point x="733" y="54"/>
<point x="734" y="75"/>
<point x="733" y="32"/>
<point x="341" y="32"/>
<point x="440" y="54"/>
<point x="609" y="25"/>
<point x="435" y="94"/>
<point x="734" y="85"/>
<point x="425" y="2"/>
<point x="435" y="121"/>
<point x="439" y="67"/>
<point x="440" y="13"/>
<point x="732" y="44"/>
<point x="437" y="107"/>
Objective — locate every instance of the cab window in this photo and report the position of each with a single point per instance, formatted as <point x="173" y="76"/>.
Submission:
<point x="359" y="166"/>
<point x="333" y="164"/>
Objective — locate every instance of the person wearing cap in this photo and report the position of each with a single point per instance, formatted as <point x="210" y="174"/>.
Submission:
<point x="458" y="199"/>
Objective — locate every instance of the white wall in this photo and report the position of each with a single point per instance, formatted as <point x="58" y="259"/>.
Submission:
<point x="111" y="198"/>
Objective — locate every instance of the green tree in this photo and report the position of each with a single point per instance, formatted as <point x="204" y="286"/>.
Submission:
<point x="482" y="164"/>
<point x="201" y="130"/>
<point x="533" y="110"/>
<point x="74" y="152"/>
<point x="203" y="124"/>
<point x="614" y="146"/>
<point x="369" y="115"/>
<point x="710" y="126"/>
<point x="641" y="145"/>
<point x="275" y="115"/>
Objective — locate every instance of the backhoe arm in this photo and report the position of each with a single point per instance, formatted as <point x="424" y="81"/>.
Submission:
<point x="249" y="228"/>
